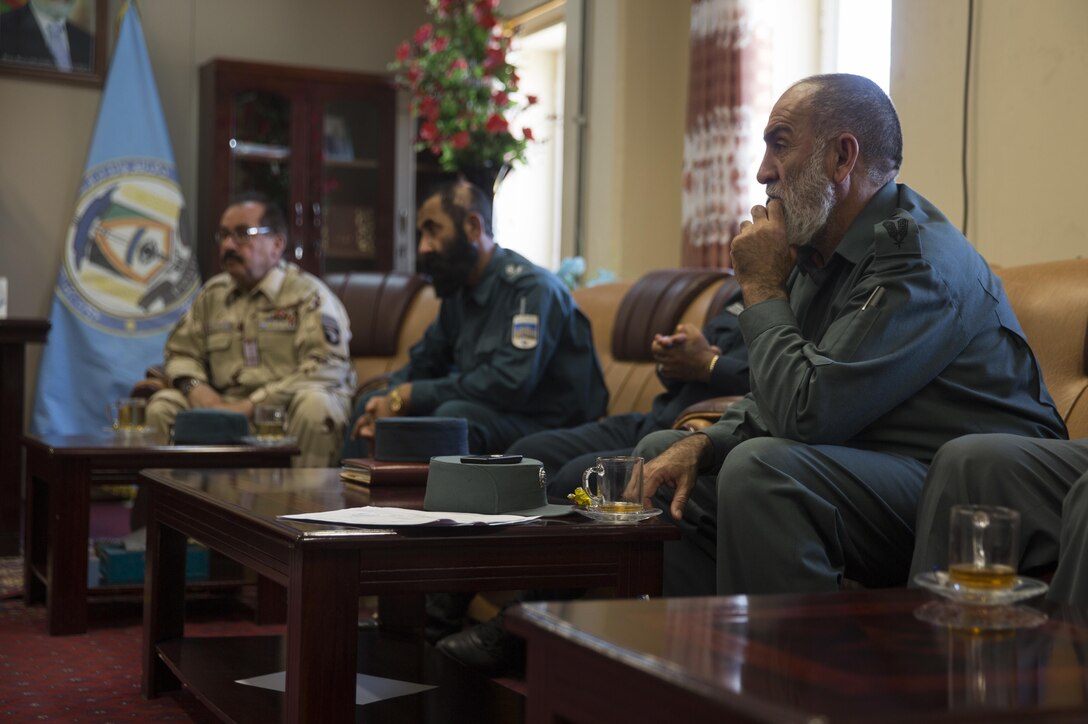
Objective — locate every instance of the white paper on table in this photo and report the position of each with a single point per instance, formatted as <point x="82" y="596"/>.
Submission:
<point x="394" y="517"/>
<point x="368" y="689"/>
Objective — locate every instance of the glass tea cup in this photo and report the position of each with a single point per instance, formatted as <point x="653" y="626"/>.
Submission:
<point x="983" y="546"/>
<point x="129" y="414"/>
<point x="619" y="484"/>
<point x="269" y="421"/>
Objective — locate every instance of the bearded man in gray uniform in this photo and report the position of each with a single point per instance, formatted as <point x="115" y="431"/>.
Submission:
<point x="262" y="331"/>
<point x="875" y="334"/>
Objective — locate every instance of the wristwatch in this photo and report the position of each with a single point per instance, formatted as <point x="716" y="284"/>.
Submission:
<point x="396" y="402"/>
<point x="185" y="385"/>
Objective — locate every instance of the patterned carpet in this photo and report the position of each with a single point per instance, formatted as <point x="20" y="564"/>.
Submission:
<point x="95" y="677"/>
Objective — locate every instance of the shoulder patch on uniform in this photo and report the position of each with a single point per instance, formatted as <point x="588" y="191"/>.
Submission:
<point x="897" y="235"/>
<point x="331" y="329"/>
<point x="524" y="331"/>
<point x="513" y="271"/>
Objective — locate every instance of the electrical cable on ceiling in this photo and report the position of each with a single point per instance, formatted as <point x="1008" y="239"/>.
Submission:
<point x="966" y="101"/>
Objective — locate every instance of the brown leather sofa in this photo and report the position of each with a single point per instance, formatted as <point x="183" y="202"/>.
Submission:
<point x="1051" y="302"/>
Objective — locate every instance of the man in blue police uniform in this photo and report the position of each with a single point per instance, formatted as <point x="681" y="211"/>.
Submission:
<point x="875" y="334"/>
<point x="510" y="351"/>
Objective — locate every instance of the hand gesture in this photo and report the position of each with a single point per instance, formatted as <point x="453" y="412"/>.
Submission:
<point x="677" y="467"/>
<point x="684" y="356"/>
<point x="762" y="258"/>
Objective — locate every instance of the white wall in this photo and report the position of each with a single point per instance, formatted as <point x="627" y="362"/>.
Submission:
<point x="1027" y="109"/>
<point x="637" y="87"/>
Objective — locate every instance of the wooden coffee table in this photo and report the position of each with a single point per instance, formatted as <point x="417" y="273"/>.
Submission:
<point x="15" y="335"/>
<point x="60" y="470"/>
<point x="835" y="657"/>
<point x="326" y="568"/>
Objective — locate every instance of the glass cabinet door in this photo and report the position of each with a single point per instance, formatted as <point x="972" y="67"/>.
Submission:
<point x="320" y="144"/>
<point x="351" y="186"/>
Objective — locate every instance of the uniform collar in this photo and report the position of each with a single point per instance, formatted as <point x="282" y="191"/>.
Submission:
<point x="270" y="286"/>
<point x="858" y="241"/>
<point x="481" y="293"/>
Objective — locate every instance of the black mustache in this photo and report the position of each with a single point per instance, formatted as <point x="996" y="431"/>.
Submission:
<point x="227" y="256"/>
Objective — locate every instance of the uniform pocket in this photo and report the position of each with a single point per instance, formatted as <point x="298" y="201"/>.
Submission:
<point x="224" y="358"/>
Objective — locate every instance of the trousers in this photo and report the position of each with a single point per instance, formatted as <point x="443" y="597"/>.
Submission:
<point x="782" y="516"/>
<point x="1045" y="480"/>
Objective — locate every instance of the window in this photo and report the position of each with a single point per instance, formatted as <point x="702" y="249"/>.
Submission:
<point x="857" y="38"/>
<point x="528" y="205"/>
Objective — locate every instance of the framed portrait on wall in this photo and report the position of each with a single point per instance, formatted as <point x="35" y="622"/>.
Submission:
<point x="63" y="40"/>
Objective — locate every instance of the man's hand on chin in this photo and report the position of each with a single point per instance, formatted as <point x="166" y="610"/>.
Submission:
<point x="762" y="258"/>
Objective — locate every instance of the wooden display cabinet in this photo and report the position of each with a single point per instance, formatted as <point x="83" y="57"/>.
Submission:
<point x="320" y="143"/>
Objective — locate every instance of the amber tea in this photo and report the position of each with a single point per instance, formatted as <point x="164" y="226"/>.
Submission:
<point x="983" y="546"/>
<point x="268" y="420"/>
<point x="130" y="414"/>
<point x="989" y="577"/>
<point x="269" y="430"/>
<point x="622" y="506"/>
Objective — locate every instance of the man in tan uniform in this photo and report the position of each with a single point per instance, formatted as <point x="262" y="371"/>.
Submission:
<point x="262" y="331"/>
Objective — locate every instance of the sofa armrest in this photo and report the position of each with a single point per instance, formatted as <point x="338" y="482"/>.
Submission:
<point x="703" y="414"/>
<point x="371" y="384"/>
<point x="153" y="381"/>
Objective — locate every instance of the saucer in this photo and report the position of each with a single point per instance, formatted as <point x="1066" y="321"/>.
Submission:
<point x="129" y="431"/>
<point x="606" y="517"/>
<point x="939" y="583"/>
<point x="979" y="618"/>
<point x="264" y="442"/>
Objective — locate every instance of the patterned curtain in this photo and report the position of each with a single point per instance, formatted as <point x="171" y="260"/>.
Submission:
<point x="728" y="103"/>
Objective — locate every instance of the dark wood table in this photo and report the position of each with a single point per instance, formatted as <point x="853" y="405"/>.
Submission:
<point x="326" y="568"/>
<point x="60" y="471"/>
<point x="837" y="657"/>
<point x="15" y="335"/>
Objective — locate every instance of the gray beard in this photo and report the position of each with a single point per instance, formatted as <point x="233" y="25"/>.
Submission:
<point x="808" y="201"/>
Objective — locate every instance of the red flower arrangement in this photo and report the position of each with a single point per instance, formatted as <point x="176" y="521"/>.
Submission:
<point x="463" y="86"/>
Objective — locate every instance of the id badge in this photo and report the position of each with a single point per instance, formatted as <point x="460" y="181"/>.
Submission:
<point x="251" y="353"/>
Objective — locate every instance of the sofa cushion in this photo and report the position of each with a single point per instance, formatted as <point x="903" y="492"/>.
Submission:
<point x="1051" y="301"/>
<point x="626" y="315"/>
<point x="389" y="313"/>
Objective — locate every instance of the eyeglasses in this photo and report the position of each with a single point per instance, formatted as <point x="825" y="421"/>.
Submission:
<point x="241" y="234"/>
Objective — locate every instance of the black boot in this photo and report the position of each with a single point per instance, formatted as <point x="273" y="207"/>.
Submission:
<point x="445" y="614"/>
<point x="487" y="648"/>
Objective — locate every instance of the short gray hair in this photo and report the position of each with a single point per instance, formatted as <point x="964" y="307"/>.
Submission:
<point x="845" y="103"/>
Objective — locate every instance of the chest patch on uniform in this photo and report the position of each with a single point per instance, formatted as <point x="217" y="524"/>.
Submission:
<point x="218" y="327"/>
<point x="331" y="329"/>
<point x="278" y="320"/>
<point x="524" y="331"/>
